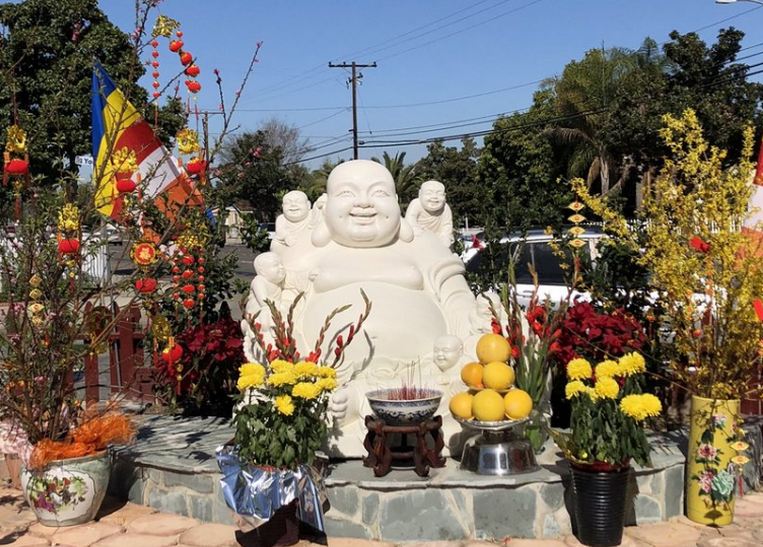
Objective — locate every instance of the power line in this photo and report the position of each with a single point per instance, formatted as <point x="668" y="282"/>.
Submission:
<point x="318" y="68"/>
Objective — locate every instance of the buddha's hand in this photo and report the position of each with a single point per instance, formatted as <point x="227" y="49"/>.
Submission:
<point x="339" y="402"/>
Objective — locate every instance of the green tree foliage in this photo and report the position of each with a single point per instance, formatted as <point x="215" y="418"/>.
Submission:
<point x="520" y="173"/>
<point x="47" y="48"/>
<point x="252" y="169"/>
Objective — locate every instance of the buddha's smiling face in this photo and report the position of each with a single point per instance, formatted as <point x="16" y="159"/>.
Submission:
<point x="362" y="208"/>
<point x="296" y="206"/>
<point x="432" y="196"/>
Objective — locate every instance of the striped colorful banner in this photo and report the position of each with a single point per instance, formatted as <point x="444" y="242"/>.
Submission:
<point x="116" y="125"/>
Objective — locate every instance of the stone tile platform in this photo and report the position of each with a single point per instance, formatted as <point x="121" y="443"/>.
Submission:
<point x="129" y="525"/>
<point x="172" y="468"/>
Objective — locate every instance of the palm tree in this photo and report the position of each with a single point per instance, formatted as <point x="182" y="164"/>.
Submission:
<point x="405" y="176"/>
<point x="583" y="95"/>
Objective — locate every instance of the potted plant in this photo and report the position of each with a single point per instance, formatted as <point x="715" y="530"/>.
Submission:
<point x="44" y="338"/>
<point x="608" y="408"/>
<point x="280" y="422"/>
<point x="706" y="265"/>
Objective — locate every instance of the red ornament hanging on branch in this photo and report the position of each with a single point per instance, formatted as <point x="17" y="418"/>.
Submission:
<point x="16" y="164"/>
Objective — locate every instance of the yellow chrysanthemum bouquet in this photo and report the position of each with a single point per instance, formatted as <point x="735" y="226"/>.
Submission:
<point x="608" y="411"/>
<point x="281" y="416"/>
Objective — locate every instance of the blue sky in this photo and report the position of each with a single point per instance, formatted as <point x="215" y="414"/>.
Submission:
<point x="429" y="52"/>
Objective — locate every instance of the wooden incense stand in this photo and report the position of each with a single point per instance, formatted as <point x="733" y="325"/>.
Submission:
<point x="382" y="450"/>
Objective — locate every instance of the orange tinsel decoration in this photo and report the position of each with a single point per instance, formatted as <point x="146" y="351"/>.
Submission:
<point x="88" y="438"/>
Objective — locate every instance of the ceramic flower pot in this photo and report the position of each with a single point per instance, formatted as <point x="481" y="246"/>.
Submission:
<point x="67" y="492"/>
<point x="599" y="504"/>
<point x="710" y="475"/>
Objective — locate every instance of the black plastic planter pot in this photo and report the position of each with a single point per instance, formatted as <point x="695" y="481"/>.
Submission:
<point x="599" y="505"/>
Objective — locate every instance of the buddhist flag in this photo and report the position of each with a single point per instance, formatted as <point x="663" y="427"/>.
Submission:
<point x="118" y="125"/>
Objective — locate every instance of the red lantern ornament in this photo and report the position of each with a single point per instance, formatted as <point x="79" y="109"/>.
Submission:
<point x="201" y="280"/>
<point x="187" y="260"/>
<point x="195" y="166"/>
<point x="156" y="94"/>
<point x="188" y="289"/>
<point x="200" y="288"/>
<point x="187" y="274"/>
<point x="125" y="184"/>
<point x="155" y="54"/>
<point x="176" y="45"/>
<point x="68" y="246"/>
<point x="146" y="285"/>
<point x="155" y="74"/>
<point x="192" y="71"/>
<point x="201" y="260"/>
<point x="154" y="43"/>
<point x="186" y="58"/>
<point x="200" y="269"/>
<point x="155" y="64"/>
<point x="155" y="84"/>
<point x="189" y="303"/>
<point x="172" y="354"/>
<point x="17" y="167"/>
<point x="193" y="86"/>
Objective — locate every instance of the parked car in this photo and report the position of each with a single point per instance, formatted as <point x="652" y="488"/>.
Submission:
<point x="533" y="248"/>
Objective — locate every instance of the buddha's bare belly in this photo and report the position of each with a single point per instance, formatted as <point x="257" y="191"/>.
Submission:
<point x="401" y="328"/>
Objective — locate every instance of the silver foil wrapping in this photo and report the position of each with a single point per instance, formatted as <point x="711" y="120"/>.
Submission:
<point x="256" y="493"/>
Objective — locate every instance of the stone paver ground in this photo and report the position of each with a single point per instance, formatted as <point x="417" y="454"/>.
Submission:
<point x="130" y="525"/>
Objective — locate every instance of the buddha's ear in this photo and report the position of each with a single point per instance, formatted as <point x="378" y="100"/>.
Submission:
<point x="406" y="232"/>
<point x="321" y="235"/>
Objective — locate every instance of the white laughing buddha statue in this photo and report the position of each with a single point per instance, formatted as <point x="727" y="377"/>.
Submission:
<point x="416" y="286"/>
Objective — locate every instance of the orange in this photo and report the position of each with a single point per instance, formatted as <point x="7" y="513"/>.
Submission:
<point x="461" y="405"/>
<point x="517" y="404"/>
<point x="487" y="406"/>
<point x="497" y="375"/>
<point x="493" y="347"/>
<point x="471" y="375"/>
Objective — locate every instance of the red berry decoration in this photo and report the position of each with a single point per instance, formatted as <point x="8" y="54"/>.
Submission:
<point x="192" y="70"/>
<point x="201" y="260"/>
<point x="200" y="288"/>
<point x="179" y="34"/>
<point x="155" y="74"/>
<point x="176" y="45"/>
<point x="187" y="274"/>
<point x="155" y="64"/>
<point x="187" y="260"/>
<point x="154" y="54"/>
<point x="189" y="303"/>
<point x="154" y="43"/>
<point x="156" y="94"/>
<point x="155" y="85"/>
<point x="200" y="269"/>
<point x="186" y="58"/>
<point x="188" y="288"/>
<point x="201" y="279"/>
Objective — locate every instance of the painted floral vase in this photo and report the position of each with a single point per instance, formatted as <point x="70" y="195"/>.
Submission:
<point x="711" y="475"/>
<point x="67" y="492"/>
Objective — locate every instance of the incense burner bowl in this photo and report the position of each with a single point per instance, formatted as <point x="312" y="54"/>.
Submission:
<point x="386" y="405"/>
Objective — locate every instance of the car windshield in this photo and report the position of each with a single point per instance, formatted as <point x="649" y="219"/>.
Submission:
<point x="538" y="253"/>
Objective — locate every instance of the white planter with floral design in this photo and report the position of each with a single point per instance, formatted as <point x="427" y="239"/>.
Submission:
<point x="67" y="492"/>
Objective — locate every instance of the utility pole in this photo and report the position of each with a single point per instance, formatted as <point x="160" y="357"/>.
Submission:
<point x="354" y="82"/>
